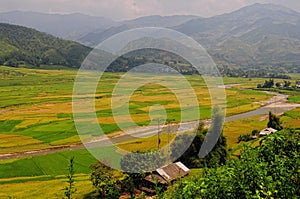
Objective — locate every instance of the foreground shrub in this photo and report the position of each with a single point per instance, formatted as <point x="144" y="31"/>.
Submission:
<point x="268" y="171"/>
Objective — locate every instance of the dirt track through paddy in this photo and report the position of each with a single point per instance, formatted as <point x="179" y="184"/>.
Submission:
<point x="277" y="104"/>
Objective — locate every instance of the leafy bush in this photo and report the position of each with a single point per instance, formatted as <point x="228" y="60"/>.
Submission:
<point x="268" y="171"/>
<point x="106" y="181"/>
<point x="255" y="132"/>
<point x="244" y="138"/>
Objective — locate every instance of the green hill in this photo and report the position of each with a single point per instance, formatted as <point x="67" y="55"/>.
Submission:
<point x="21" y="45"/>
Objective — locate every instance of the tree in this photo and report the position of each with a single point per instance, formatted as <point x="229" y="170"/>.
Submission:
<point x="259" y="86"/>
<point x="190" y="157"/>
<point x="129" y="183"/>
<point x="244" y="138"/>
<point x="255" y="132"/>
<point x="268" y="84"/>
<point x="70" y="189"/>
<point x="274" y="122"/>
<point x="106" y="180"/>
<point x="140" y="162"/>
<point x="287" y="84"/>
<point x="278" y="84"/>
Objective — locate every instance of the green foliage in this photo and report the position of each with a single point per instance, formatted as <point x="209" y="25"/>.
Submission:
<point x="19" y="44"/>
<point x="106" y="180"/>
<point x="281" y="87"/>
<point x="274" y="122"/>
<point x="190" y="157"/>
<point x="278" y="84"/>
<point x="244" y="138"/>
<point x="255" y="132"/>
<point x="263" y="71"/>
<point x="70" y="189"/>
<point x="130" y="182"/>
<point x="287" y="84"/>
<point x="268" y="171"/>
<point x="140" y="162"/>
<point x="158" y="189"/>
<point x="267" y="84"/>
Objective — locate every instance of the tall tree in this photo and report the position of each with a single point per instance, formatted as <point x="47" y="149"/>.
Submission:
<point x="274" y="122"/>
<point x="190" y="157"/>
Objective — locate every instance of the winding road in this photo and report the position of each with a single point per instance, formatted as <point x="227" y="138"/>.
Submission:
<point x="277" y="104"/>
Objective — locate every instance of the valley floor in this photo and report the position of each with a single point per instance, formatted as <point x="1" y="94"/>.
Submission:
<point x="36" y="121"/>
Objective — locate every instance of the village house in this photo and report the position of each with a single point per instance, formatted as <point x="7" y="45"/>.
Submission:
<point x="264" y="132"/>
<point x="267" y="131"/>
<point x="164" y="175"/>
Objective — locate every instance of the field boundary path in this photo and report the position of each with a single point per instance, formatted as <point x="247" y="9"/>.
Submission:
<point x="277" y="104"/>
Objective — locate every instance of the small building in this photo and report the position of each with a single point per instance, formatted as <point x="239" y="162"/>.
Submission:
<point x="164" y="176"/>
<point x="267" y="131"/>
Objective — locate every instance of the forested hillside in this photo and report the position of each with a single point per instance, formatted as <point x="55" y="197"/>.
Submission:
<point x="25" y="46"/>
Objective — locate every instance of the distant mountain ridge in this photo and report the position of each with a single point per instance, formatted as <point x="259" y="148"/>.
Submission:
<point x="75" y="26"/>
<point x="94" y="38"/>
<point x="239" y="23"/>
<point x="254" y="37"/>
<point x="260" y="34"/>
<point x="67" y="26"/>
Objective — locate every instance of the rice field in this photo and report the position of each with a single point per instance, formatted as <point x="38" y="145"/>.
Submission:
<point x="36" y="113"/>
<point x="45" y="186"/>
<point x="36" y="105"/>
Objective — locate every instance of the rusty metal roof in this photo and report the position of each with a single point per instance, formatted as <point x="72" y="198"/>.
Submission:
<point x="169" y="173"/>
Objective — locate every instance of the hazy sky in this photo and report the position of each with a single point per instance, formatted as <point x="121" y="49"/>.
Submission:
<point x="127" y="9"/>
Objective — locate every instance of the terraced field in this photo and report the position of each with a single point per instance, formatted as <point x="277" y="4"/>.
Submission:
<point x="36" y="113"/>
<point x="36" y="105"/>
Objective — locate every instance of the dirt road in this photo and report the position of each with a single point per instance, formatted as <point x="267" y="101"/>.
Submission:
<point x="277" y="104"/>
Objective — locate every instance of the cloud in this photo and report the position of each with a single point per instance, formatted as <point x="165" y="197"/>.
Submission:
<point x="125" y="9"/>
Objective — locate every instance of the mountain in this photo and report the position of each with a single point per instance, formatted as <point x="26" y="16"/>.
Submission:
<point x="159" y="21"/>
<point x="236" y="24"/>
<point x="92" y="39"/>
<point x="259" y="34"/>
<point x="20" y="45"/>
<point x="260" y="37"/>
<point x="68" y="26"/>
<point x="96" y="37"/>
